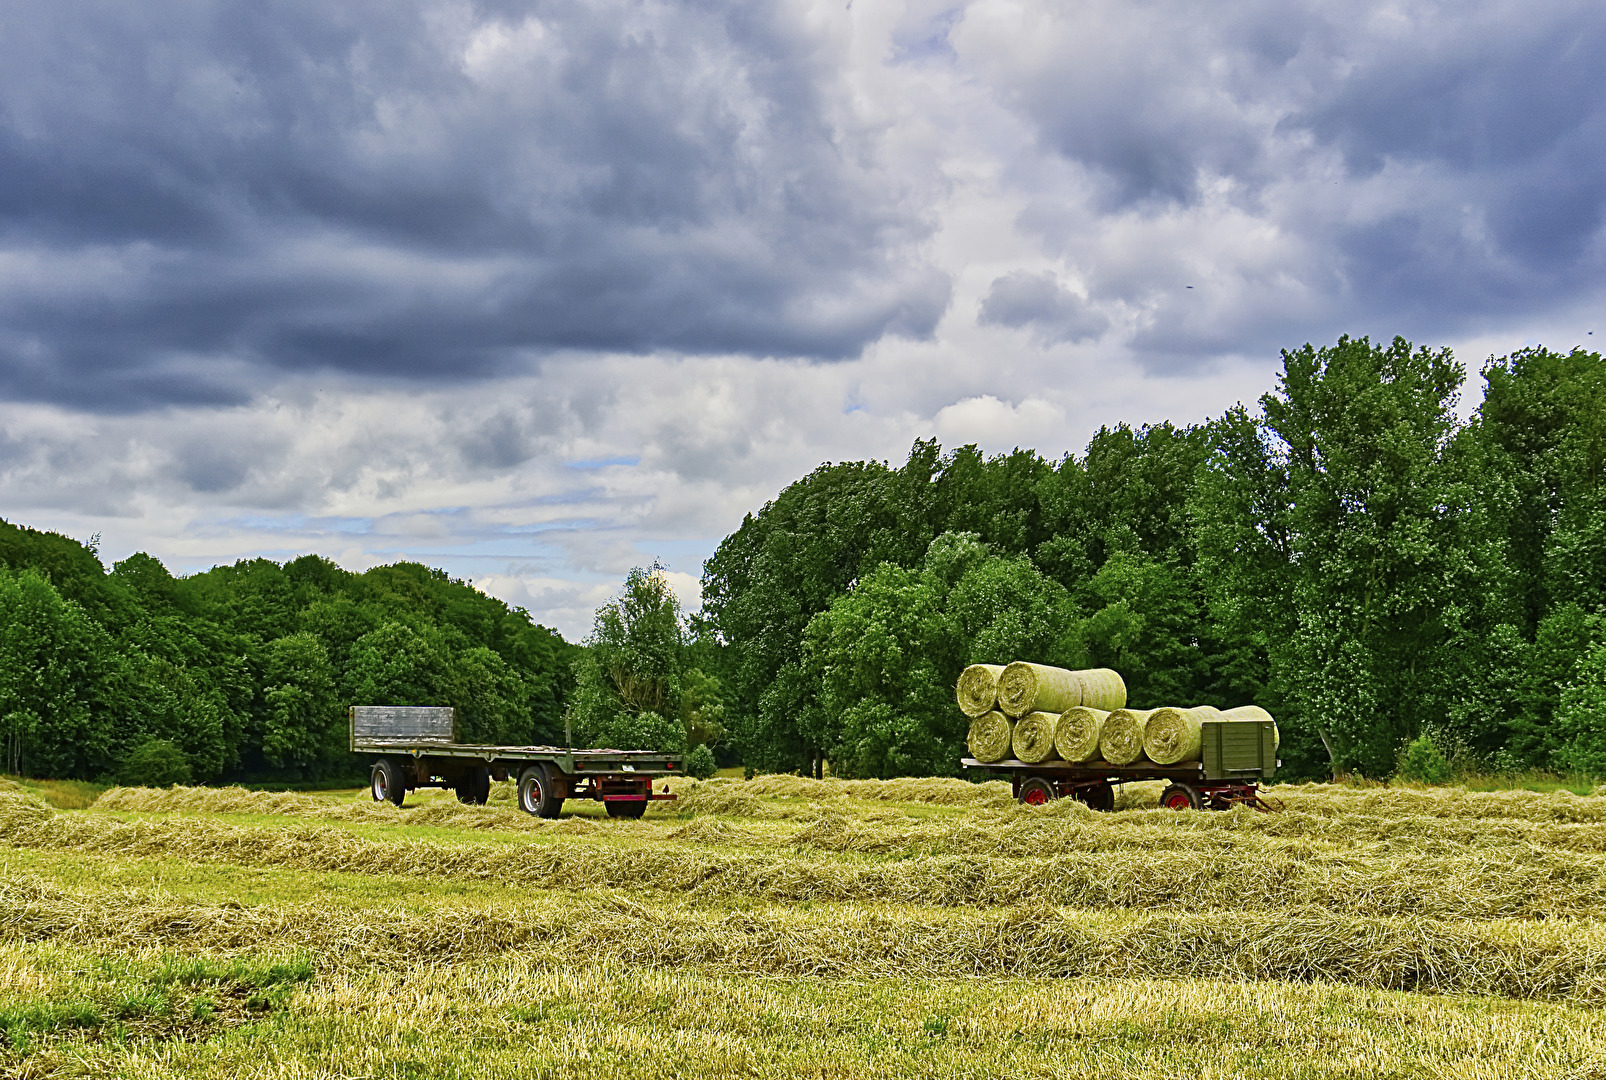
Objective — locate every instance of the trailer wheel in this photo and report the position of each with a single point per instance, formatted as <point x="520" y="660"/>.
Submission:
<point x="535" y="793"/>
<point x="626" y="809"/>
<point x="1036" y="791"/>
<point x="1180" y="797"/>
<point x="474" y="786"/>
<point x="1100" y="797"/>
<point x="386" y="783"/>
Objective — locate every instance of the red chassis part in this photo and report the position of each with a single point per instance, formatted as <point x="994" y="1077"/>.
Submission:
<point x="1038" y="790"/>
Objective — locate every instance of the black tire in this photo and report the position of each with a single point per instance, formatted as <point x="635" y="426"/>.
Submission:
<point x="535" y="793"/>
<point x="385" y="782"/>
<point x="626" y="809"/>
<point x="474" y="786"/>
<point x="1035" y="791"/>
<point x="1100" y="797"/>
<point x="1180" y="797"/>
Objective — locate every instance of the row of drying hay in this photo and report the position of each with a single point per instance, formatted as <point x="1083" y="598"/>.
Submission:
<point x="926" y="790"/>
<point x="1470" y="885"/>
<point x="1021" y="687"/>
<point x="1085" y="734"/>
<point x="1557" y="961"/>
<point x="444" y="812"/>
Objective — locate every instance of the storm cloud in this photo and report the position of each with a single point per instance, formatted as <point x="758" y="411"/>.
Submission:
<point x="539" y="290"/>
<point x="430" y="190"/>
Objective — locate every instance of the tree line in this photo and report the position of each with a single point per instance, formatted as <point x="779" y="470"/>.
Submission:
<point x="245" y="671"/>
<point x="1350" y="554"/>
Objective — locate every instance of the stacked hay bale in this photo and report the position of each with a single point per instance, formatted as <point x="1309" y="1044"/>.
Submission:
<point x="978" y="689"/>
<point x="1121" y="740"/>
<point x="1076" y="738"/>
<point x="1042" y="713"/>
<point x="1255" y="712"/>
<point x="1172" y="736"/>
<point x="1019" y="707"/>
<point x="990" y="736"/>
<point x="1034" y="737"/>
<point x="1025" y="687"/>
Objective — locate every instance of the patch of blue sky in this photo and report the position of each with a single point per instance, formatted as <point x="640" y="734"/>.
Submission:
<point x="604" y="463"/>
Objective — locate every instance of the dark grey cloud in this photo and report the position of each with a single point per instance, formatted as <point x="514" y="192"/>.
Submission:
<point x="1039" y="301"/>
<point x="1437" y="167"/>
<point x="195" y="194"/>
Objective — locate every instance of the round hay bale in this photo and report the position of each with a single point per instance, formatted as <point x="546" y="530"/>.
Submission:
<point x="1102" y="688"/>
<point x="1034" y="737"/>
<point x="989" y="737"/>
<point x="1172" y="736"/>
<point x="1121" y="741"/>
<point x="978" y="688"/>
<point x="1076" y="738"/>
<point x="1255" y="712"/>
<point x="1024" y="688"/>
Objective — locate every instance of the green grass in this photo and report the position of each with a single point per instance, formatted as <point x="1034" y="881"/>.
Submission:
<point x="62" y="794"/>
<point x="816" y="931"/>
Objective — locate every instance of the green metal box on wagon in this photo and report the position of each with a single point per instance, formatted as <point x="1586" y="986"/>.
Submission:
<point x="1239" y="749"/>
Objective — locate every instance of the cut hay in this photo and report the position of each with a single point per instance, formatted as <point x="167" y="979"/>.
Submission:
<point x="1255" y="712"/>
<point x="1102" y="689"/>
<point x="978" y="689"/>
<point x="990" y="737"/>
<point x="1539" y="960"/>
<point x="1076" y="737"/>
<point x="1121" y="741"/>
<point x="1172" y="736"/>
<point x="931" y="790"/>
<point x="1033" y="741"/>
<point x="1024" y="688"/>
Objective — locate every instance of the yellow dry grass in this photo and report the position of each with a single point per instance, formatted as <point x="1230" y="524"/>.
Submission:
<point x="510" y="1016"/>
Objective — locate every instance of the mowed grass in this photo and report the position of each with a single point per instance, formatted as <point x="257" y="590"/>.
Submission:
<point x="788" y="927"/>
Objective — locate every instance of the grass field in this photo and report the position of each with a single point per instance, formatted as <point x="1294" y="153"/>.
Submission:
<point x="789" y="927"/>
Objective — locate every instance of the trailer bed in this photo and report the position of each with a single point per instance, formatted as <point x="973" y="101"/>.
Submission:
<point x="1235" y="755"/>
<point x="416" y="747"/>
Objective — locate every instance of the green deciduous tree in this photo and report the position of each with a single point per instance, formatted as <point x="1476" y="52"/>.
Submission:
<point x="628" y="685"/>
<point x="304" y="723"/>
<point x="57" y="671"/>
<point x="397" y="665"/>
<point x="1581" y="716"/>
<point x="883" y="658"/>
<point x="1357" y="551"/>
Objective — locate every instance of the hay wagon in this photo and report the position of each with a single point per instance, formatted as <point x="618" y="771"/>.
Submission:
<point x="1236" y="756"/>
<point x="417" y="747"/>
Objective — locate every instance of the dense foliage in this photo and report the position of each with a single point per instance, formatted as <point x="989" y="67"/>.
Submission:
<point x="1351" y="555"/>
<point x="246" y="670"/>
<point x="635" y="685"/>
<point x="1391" y="581"/>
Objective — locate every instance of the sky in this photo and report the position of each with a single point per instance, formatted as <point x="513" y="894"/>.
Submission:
<point x="538" y="292"/>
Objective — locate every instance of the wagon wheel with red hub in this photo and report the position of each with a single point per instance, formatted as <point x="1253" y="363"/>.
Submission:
<point x="1180" y="797"/>
<point x="1036" y="791"/>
